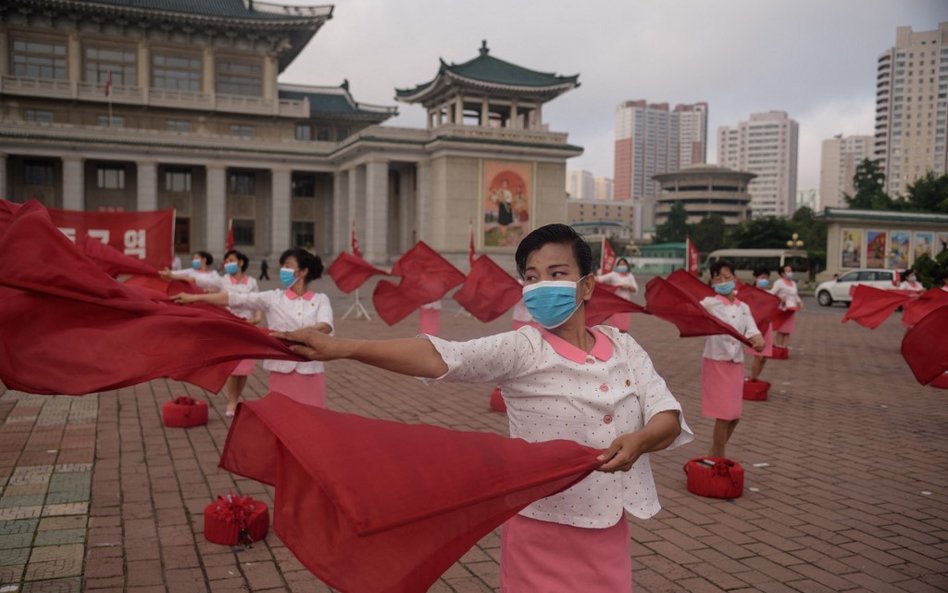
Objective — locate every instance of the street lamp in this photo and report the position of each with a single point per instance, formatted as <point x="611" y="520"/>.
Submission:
<point x="795" y="241"/>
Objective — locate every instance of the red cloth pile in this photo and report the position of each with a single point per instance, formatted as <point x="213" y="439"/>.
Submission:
<point x="384" y="507"/>
<point x="70" y="328"/>
<point x="235" y="519"/>
<point x="426" y="277"/>
<point x="349" y="271"/>
<point x="871" y="306"/>
<point x="488" y="291"/>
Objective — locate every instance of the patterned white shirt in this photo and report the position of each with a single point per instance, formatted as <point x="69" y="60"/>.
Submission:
<point x="286" y="311"/>
<point x="554" y="390"/>
<point x="786" y="291"/>
<point x="227" y="283"/>
<point x="189" y="273"/>
<point x="625" y="282"/>
<point x="737" y="315"/>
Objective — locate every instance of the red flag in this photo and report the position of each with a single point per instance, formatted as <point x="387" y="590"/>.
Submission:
<point x="918" y="308"/>
<point x="356" y="249"/>
<point x="349" y="272"/>
<point x="608" y="259"/>
<point x="605" y="303"/>
<point x="924" y="347"/>
<point x="693" y="258"/>
<point x="229" y="244"/>
<point x="111" y="261"/>
<point x="375" y="505"/>
<point x="871" y="306"/>
<point x="669" y="302"/>
<point x="68" y="327"/>
<point x="470" y="247"/>
<point x="690" y="284"/>
<point x="488" y="291"/>
<point x="426" y="277"/>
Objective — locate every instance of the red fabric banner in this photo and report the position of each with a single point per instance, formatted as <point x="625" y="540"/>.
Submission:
<point x="871" y="306"/>
<point x="349" y="271"/>
<point x="690" y="284"/>
<point x="488" y="291"/>
<point x="605" y="303"/>
<point x="925" y="348"/>
<point x="378" y="506"/>
<point x="915" y="310"/>
<point x="608" y="259"/>
<point x="764" y="306"/>
<point x="426" y="277"/>
<point x="69" y="328"/>
<point x="111" y="261"/>
<point x="692" y="257"/>
<point x="673" y="304"/>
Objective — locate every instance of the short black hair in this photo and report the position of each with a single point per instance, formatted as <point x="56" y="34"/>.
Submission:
<point x="554" y="233"/>
<point x="207" y="257"/>
<point x="243" y="259"/>
<point x="760" y="271"/>
<point x="783" y="269"/>
<point x="622" y="259"/>
<point x="306" y="261"/>
<point x="718" y="265"/>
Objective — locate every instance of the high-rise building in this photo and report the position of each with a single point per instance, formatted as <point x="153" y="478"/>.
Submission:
<point x="603" y="188"/>
<point x="653" y="139"/>
<point x="766" y="144"/>
<point x="912" y="107"/>
<point x="810" y="198"/>
<point x="580" y="184"/>
<point x="838" y="161"/>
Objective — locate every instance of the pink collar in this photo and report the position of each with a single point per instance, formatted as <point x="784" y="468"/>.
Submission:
<point x="726" y="300"/>
<point x="236" y="281"/>
<point x="602" y="349"/>
<point x="307" y="296"/>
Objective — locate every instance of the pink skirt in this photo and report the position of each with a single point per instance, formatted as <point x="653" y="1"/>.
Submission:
<point x="430" y="321"/>
<point x="543" y="557"/>
<point x="245" y="368"/>
<point x="621" y="321"/>
<point x="768" y="350"/>
<point x="788" y="323"/>
<point x="722" y="389"/>
<point x="306" y="389"/>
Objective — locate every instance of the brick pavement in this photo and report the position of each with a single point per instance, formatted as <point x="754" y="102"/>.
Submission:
<point x="845" y="487"/>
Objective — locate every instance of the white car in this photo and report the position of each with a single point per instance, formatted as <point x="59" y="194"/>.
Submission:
<point x="837" y="290"/>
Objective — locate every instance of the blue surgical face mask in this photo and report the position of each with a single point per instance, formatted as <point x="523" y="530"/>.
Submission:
<point x="724" y="288"/>
<point x="287" y="277"/>
<point x="788" y="275"/>
<point x="622" y="269"/>
<point x="231" y="268"/>
<point x="196" y="264"/>
<point x="762" y="283"/>
<point x="552" y="302"/>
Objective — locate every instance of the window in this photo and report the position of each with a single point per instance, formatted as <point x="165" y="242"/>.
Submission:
<point x="176" y="73"/>
<point x="304" y="234"/>
<point x="323" y="134"/>
<point x="304" y="186"/>
<point x="39" y="116"/>
<point x="243" y="232"/>
<point x="111" y="177"/>
<point x="116" y="121"/>
<point x="178" y="180"/>
<point x="119" y="62"/>
<point x="243" y="182"/>
<point x="179" y="125"/>
<point x="304" y="132"/>
<point x="39" y="59"/>
<point x="342" y="134"/>
<point x="239" y="78"/>
<point x="241" y="131"/>
<point x="38" y="173"/>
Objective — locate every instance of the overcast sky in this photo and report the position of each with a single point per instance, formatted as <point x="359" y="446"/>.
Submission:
<point x="814" y="59"/>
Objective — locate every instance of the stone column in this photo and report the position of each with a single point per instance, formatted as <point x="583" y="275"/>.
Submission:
<point x="4" y="190"/>
<point x="215" y="216"/>
<point x="73" y="183"/>
<point x="280" y="210"/>
<point x="4" y="54"/>
<point x="485" y="112"/>
<point x="406" y="207"/>
<point x="144" y="67"/>
<point x="74" y="58"/>
<point x="376" y="211"/>
<point x="147" y="197"/>
<point x="539" y="116"/>
<point x="423" y="201"/>
<point x="513" y="123"/>
<point x="459" y="110"/>
<point x="208" y="72"/>
<point x="340" y="211"/>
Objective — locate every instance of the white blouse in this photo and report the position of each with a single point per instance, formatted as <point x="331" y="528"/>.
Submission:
<point x="286" y="311"/>
<point x="625" y="282"/>
<point x="554" y="390"/>
<point x="786" y="291"/>
<point x="737" y="315"/>
<point x="227" y="283"/>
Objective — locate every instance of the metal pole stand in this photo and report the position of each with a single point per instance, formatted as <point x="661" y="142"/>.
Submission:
<point x="358" y="308"/>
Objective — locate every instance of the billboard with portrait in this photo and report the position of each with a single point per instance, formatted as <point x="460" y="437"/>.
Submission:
<point x="875" y="249"/>
<point x="507" y="197"/>
<point x="851" y="252"/>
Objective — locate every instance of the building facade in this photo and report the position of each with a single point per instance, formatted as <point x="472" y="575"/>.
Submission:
<point x="809" y="198"/>
<point x="118" y="105"/>
<point x="651" y="139"/>
<point x="580" y="184"/>
<point x="705" y="190"/>
<point x="765" y="145"/>
<point x="839" y="158"/>
<point x="601" y="217"/>
<point x="604" y="189"/>
<point x="912" y="107"/>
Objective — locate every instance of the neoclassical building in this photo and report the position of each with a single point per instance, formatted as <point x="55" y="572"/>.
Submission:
<point x="130" y="105"/>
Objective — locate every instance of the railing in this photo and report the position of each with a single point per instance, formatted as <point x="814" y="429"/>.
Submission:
<point x="507" y="134"/>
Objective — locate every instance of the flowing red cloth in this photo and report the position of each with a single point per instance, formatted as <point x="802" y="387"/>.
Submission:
<point x="915" y="310"/>
<point x="426" y="277"/>
<point x="161" y="286"/>
<point x="349" y="272"/>
<point x="69" y="328"/>
<point x="373" y="506"/>
<point x="112" y="261"/>
<point x="605" y="303"/>
<point x="871" y="306"/>
<point x="488" y="291"/>
<point x="677" y="306"/>
<point x="925" y="348"/>
<point x="690" y="284"/>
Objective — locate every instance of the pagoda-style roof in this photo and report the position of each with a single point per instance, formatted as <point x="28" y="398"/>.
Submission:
<point x="336" y="102"/>
<point x="232" y="17"/>
<point x="486" y="74"/>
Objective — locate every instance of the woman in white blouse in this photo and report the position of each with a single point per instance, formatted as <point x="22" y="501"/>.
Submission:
<point x="786" y="290"/>
<point x="910" y="282"/>
<point x="560" y="380"/>
<point x="622" y="277"/>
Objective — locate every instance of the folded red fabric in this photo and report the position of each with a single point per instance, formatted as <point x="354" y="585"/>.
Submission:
<point x="871" y="306"/>
<point x="373" y="506"/>
<point x="488" y="291"/>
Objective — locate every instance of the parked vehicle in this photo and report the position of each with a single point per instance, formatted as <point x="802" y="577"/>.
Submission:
<point x="746" y="260"/>
<point x="838" y="289"/>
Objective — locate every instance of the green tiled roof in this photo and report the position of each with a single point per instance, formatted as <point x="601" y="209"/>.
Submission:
<point x="241" y="9"/>
<point x="336" y="102"/>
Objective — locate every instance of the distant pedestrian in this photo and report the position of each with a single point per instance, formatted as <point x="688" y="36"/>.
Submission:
<point x="263" y="270"/>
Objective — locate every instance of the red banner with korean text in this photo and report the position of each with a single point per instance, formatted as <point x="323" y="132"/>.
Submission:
<point x="147" y="236"/>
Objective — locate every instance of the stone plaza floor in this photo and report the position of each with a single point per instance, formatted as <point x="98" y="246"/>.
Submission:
<point x="846" y="484"/>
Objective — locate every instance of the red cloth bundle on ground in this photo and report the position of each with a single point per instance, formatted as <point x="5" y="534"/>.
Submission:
<point x="426" y="277"/>
<point x="349" y="271"/>
<point x="488" y="291"/>
<point x="605" y="303"/>
<point x="184" y="412"/>
<point x="925" y="347"/>
<point x="755" y="390"/>
<point x="780" y="353"/>
<point x="915" y="310"/>
<point x="70" y="328"/>
<point x="377" y="506"/>
<point x="871" y="306"/>
<point x="234" y="519"/>
<point x="673" y="304"/>
<point x="715" y="477"/>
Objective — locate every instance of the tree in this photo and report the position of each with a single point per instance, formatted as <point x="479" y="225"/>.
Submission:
<point x="674" y="229"/>
<point x="928" y="194"/>
<point x="761" y="233"/>
<point x="869" y="182"/>
<point x="709" y="233"/>
<point x="812" y="232"/>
